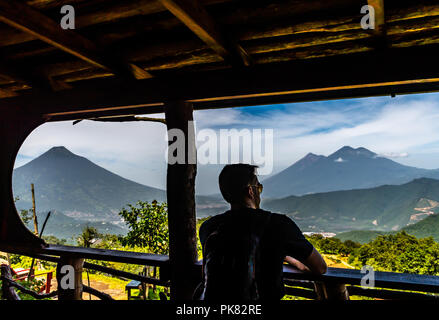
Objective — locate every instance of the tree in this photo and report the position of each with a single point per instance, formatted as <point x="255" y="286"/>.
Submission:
<point x="148" y="226"/>
<point x="26" y="216"/>
<point x="54" y="240"/>
<point x="88" y="236"/>
<point x="399" y="252"/>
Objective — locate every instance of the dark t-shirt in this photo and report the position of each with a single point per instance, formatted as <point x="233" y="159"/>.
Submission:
<point x="282" y="237"/>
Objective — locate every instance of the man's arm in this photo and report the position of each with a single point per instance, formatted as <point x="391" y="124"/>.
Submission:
<point x="314" y="263"/>
<point x="306" y="257"/>
<point x="296" y="263"/>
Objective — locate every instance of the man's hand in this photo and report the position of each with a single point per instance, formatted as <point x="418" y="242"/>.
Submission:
<point x="297" y="264"/>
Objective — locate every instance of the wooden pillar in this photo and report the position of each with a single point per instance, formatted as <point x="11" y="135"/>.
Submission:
<point x="181" y="203"/>
<point x="332" y="291"/>
<point x="69" y="288"/>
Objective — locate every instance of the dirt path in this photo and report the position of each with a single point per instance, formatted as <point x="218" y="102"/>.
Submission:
<point x="115" y="293"/>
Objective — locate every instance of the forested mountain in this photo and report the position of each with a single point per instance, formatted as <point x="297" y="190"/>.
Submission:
<point x="73" y="184"/>
<point x="384" y="208"/>
<point x="83" y="193"/>
<point x="345" y="169"/>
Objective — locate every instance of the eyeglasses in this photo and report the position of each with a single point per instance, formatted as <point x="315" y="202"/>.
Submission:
<point x="260" y="187"/>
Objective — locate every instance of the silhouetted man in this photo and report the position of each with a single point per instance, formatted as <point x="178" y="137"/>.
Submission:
<point x="258" y="241"/>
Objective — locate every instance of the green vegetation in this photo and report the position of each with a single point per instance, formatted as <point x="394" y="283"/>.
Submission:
<point x="333" y="245"/>
<point x="389" y="206"/>
<point x="148" y="226"/>
<point x="361" y="236"/>
<point x="399" y="252"/>
<point x="428" y="227"/>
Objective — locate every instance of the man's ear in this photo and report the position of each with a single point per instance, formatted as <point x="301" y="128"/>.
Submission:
<point x="250" y="192"/>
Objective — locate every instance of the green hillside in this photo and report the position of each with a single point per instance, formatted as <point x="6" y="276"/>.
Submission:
<point x="345" y="169"/>
<point x="73" y="184"/>
<point x="64" y="227"/>
<point x="361" y="236"/>
<point x="384" y="208"/>
<point x="429" y="227"/>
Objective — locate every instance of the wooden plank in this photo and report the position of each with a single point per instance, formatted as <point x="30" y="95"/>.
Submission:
<point x="97" y="293"/>
<point x="108" y="14"/>
<point x="380" y="21"/>
<point x="8" y="291"/>
<point x="163" y="281"/>
<point x="326" y="78"/>
<point x="89" y="253"/>
<point x="331" y="291"/>
<point x="391" y="280"/>
<point x="390" y="294"/>
<point x="196" y="18"/>
<point x="28" y="20"/>
<point x="309" y="294"/>
<point x="5" y="93"/>
<point x="18" y="74"/>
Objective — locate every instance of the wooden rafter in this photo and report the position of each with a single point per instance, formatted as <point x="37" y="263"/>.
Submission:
<point x="129" y="118"/>
<point x="4" y="93"/>
<point x="324" y="78"/>
<point x="196" y="18"/>
<point x="31" y="21"/>
<point x="32" y="79"/>
<point x="380" y="21"/>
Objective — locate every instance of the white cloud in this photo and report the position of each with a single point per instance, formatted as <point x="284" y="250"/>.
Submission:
<point x="393" y="128"/>
<point x="393" y="155"/>
<point x="135" y="150"/>
<point x="339" y="159"/>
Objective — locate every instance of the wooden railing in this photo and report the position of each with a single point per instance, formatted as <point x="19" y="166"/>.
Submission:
<point x="335" y="284"/>
<point x="340" y="284"/>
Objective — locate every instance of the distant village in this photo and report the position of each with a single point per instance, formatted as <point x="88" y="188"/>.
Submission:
<point x="323" y="234"/>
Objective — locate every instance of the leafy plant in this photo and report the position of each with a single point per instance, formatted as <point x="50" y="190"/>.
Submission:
<point x="148" y="226"/>
<point x="88" y="236"/>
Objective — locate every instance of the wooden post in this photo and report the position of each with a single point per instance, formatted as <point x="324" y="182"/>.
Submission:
<point x="34" y="216"/>
<point x="181" y="204"/>
<point x="331" y="291"/>
<point x="74" y="293"/>
<point x="8" y="292"/>
<point x="34" y="209"/>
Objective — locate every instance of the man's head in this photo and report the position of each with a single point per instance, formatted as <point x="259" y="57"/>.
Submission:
<point x="239" y="185"/>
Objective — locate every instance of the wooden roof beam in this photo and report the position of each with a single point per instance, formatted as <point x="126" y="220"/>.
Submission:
<point x="197" y="19"/>
<point x="31" y="21"/>
<point x="5" y="93"/>
<point x="323" y="78"/>
<point x="380" y="21"/>
<point x="32" y="78"/>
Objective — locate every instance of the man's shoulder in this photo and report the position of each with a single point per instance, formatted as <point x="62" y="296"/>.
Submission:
<point x="213" y="220"/>
<point x="281" y="223"/>
<point x="276" y="217"/>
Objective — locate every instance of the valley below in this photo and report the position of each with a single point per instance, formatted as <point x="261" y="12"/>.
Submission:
<point x="80" y="193"/>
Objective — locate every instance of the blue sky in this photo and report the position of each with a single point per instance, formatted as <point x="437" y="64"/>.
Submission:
<point x="404" y="128"/>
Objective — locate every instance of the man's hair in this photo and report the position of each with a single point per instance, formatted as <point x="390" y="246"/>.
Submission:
<point x="234" y="178"/>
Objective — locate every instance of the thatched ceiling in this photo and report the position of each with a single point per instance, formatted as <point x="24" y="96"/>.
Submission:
<point x="173" y="45"/>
